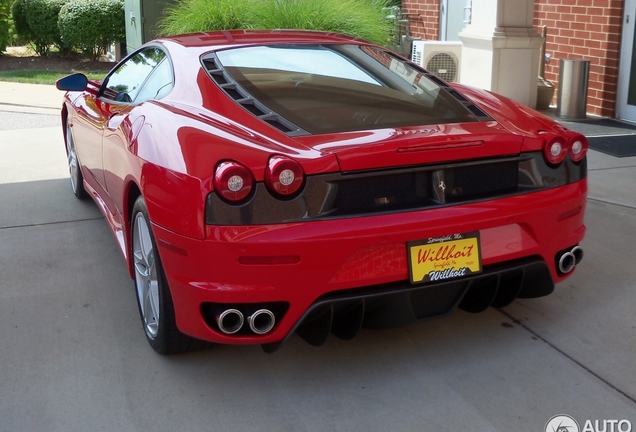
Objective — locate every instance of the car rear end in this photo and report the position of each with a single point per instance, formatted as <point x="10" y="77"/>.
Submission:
<point x="428" y="199"/>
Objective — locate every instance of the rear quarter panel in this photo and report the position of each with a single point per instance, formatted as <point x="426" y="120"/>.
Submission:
<point x="177" y="150"/>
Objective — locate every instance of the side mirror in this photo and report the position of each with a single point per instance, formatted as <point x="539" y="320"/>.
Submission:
<point x="74" y="82"/>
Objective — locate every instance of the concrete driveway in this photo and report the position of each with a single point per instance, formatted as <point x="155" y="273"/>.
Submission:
<point x="73" y="356"/>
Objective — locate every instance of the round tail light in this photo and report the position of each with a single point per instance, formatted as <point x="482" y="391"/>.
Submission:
<point x="578" y="148"/>
<point x="284" y="176"/>
<point x="555" y="150"/>
<point x="232" y="181"/>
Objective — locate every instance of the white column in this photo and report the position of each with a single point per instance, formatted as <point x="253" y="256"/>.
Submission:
<point x="501" y="49"/>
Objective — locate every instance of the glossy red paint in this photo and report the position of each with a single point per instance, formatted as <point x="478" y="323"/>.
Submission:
<point x="336" y="255"/>
<point x="407" y="146"/>
<point x="167" y="151"/>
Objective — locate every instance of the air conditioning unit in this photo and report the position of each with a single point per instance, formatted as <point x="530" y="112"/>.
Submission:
<point x="441" y="58"/>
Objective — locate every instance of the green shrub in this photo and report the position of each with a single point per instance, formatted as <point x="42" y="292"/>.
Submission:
<point x="360" y="18"/>
<point x="14" y="37"/>
<point x="190" y="16"/>
<point x="4" y="35"/>
<point x="41" y="16"/>
<point x="20" y="21"/>
<point x="5" y="14"/>
<point x="92" y="25"/>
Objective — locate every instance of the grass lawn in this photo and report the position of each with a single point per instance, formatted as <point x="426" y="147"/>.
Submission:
<point x="21" y="64"/>
<point x="34" y="76"/>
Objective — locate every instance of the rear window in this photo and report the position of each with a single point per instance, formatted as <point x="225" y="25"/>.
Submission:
<point x="335" y="88"/>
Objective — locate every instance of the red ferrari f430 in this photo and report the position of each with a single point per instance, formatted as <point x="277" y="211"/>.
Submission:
<point x="266" y="183"/>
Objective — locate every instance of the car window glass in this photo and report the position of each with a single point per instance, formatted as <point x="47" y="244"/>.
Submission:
<point x="126" y="81"/>
<point x="158" y="84"/>
<point x="338" y="88"/>
<point x="306" y="61"/>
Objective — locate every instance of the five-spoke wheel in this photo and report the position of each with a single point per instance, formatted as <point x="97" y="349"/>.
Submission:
<point x="146" y="280"/>
<point x="77" y="181"/>
<point x="153" y="294"/>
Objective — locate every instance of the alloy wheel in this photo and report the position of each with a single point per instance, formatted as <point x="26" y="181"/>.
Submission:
<point x="146" y="276"/>
<point x="73" y="165"/>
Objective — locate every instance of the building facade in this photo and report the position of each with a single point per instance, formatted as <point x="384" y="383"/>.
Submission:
<point x="600" y="31"/>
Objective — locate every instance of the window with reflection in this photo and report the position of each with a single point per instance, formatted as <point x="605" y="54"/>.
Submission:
<point x="146" y="75"/>
<point x="336" y="88"/>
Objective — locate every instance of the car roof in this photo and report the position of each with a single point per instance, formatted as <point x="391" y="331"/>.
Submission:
<point x="226" y="38"/>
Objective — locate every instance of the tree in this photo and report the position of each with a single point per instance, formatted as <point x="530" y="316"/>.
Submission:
<point x="41" y="17"/>
<point x="92" y="25"/>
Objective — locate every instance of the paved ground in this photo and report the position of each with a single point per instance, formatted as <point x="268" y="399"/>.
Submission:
<point x="73" y="356"/>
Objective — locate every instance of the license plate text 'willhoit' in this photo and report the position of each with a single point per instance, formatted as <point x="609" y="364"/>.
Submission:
<point x="441" y="258"/>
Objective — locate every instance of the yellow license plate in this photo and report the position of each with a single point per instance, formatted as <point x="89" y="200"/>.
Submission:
<point x="439" y="259"/>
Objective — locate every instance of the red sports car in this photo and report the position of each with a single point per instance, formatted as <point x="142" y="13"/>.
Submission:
<point x="261" y="183"/>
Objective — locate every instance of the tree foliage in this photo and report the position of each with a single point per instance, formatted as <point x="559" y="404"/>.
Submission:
<point x="5" y="14"/>
<point x="41" y="17"/>
<point x="92" y="25"/>
<point x="20" y="22"/>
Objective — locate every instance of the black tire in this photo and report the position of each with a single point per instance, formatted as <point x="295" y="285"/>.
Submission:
<point x="75" y="172"/>
<point x="153" y="294"/>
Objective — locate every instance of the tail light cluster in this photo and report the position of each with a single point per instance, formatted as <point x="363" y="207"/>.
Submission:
<point x="233" y="181"/>
<point x="284" y="178"/>
<point x="558" y="147"/>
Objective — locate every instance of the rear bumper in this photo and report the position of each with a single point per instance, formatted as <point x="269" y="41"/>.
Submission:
<point x="308" y="268"/>
<point x="344" y="313"/>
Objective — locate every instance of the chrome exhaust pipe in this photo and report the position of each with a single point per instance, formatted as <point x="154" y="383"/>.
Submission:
<point x="566" y="262"/>
<point x="230" y="321"/>
<point x="261" y="321"/>
<point x="570" y="259"/>
<point x="577" y="251"/>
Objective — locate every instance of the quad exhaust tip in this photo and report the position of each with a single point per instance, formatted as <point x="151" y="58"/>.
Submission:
<point x="261" y="321"/>
<point x="570" y="259"/>
<point x="231" y="321"/>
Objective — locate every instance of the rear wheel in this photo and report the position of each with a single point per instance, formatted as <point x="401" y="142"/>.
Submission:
<point x="77" y="180"/>
<point x="153" y="295"/>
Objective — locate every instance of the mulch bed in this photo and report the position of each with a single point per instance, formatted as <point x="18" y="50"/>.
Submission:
<point x="53" y="63"/>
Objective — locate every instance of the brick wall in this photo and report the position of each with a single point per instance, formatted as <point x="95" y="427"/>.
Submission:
<point x="423" y="17"/>
<point x="587" y="29"/>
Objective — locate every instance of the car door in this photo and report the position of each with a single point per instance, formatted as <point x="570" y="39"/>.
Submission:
<point x="147" y="75"/>
<point x="88" y="128"/>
